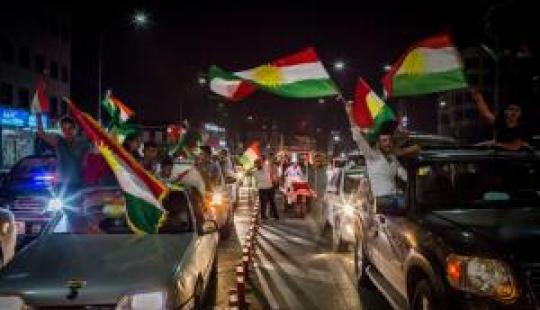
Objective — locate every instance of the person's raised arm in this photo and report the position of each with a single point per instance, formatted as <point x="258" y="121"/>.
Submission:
<point x="47" y="138"/>
<point x="482" y="106"/>
<point x="357" y="135"/>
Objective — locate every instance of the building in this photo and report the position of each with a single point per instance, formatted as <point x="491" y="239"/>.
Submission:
<point x="34" y="39"/>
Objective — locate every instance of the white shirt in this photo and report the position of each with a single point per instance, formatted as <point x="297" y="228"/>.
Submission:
<point x="383" y="171"/>
<point x="294" y="172"/>
<point x="262" y="178"/>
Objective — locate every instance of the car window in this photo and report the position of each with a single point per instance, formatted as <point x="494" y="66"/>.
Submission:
<point x="478" y="184"/>
<point x="110" y="218"/>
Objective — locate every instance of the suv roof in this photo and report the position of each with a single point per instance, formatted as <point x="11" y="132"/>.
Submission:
<point x="431" y="141"/>
<point x="472" y="152"/>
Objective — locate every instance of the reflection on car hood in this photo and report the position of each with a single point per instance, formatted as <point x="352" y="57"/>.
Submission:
<point x="110" y="265"/>
<point x="508" y="230"/>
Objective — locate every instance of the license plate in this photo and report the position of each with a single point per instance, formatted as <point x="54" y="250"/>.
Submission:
<point x="20" y="228"/>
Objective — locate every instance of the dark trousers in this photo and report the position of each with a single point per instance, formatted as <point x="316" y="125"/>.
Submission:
<point x="268" y="196"/>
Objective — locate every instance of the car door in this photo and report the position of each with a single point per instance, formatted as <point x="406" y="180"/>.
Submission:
<point x="387" y="249"/>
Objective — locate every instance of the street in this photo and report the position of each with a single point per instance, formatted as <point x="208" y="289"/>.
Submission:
<point x="294" y="267"/>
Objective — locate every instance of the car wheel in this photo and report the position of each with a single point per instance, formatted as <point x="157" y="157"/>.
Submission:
<point x="424" y="297"/>
<point x="360" y="264"/>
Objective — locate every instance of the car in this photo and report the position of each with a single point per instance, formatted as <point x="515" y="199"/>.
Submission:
<point x="89" y="258"/>
<point x="345" y="195"/>
<point x="464" y="239"/>
<point x="217" y="195"/>
<point x="28" y="190"/>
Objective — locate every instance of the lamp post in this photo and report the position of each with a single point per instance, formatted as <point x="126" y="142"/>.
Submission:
<point x="139" y="19"/>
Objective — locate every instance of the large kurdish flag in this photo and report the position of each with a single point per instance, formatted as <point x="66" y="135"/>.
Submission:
<point x="228" y="85"/>
<point x="369" y="111"/>
<point x="432" y="65"/>
<point x="143" y="192"/>
<point x="301" y="75"/>
<point x="250" y="155"/>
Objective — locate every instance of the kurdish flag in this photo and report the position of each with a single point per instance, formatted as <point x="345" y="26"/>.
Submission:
<point x="432" y="65"/>
<point x="142" y="191"/>
<point x="119" y="112"/>
<point x="250" y="155"/>
<point x="301" y="75"/>
<point x="369" y="111"/>
<point x="228" y="85"/>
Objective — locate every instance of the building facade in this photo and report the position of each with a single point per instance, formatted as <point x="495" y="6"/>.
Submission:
<point x="35" y="40"/>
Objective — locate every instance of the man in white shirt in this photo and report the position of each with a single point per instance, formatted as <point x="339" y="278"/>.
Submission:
<point x="383" y="168"/>
<point x="266" y="189"/>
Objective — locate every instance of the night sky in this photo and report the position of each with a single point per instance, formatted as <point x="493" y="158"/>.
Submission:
<point x="155" y="70"/>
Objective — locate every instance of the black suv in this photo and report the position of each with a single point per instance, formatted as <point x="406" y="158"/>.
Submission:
<point x="467" y="237"/>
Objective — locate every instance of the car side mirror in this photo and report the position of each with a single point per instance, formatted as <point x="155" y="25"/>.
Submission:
<point x="390" y="206"/>
<point x="209" y="227"/>
<point x="230" y="180"/>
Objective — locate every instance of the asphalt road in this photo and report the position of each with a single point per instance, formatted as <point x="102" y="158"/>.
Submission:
<point x="294" y="268"/>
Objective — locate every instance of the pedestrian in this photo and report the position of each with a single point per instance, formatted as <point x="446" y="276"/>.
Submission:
<point x="509" y="130"/>
<point x="265" y="188"/>
<point x="150" y="155"/>
<point x="382" y="164"/>
<point x="132" y="144"/>
<point x="71" y="150"/>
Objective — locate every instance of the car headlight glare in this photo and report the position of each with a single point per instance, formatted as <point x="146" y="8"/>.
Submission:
<point x="348" y="209"/>
<point x="55" y="204"/>
<point x="12" y="303"/>
<point x="482" y="276"/>
<point x="217" y="199"/>
<point x="143" y="301"/>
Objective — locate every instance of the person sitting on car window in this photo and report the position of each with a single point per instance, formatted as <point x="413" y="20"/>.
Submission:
<point x="383" y="167"/>
<point x="509" y="130"/>
<point x="71" y="150"/>
<point x="150" y="155"/>
<point x="165" y="172"/>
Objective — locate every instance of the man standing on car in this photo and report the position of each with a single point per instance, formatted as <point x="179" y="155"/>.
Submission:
<point x="71" y="150"/>
<point x="266" y="189"/>
<point x="383" y="168"/>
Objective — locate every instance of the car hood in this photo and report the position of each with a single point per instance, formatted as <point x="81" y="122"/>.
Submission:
<point x="109" y="267"/>
<point x="499" y="231"/>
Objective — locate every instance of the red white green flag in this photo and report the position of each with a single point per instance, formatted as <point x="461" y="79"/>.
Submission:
<point x="250" y="155"/>
<point x="142" y="191"/>
<point x="301" y="75"/>
<point x="229" y="86"/>
<point x="40" y="102"/>
<point x="430" y="66"/>
<point x="369" y="111"/>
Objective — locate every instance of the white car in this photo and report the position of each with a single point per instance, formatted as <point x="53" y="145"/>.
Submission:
<point x="345" y="195"/>
<point x="89" y="258"/>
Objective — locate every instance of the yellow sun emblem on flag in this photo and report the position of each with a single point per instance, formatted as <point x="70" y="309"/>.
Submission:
<point x="268" y="75"/>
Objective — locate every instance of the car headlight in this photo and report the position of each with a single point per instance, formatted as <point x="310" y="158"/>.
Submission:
<point x="55" y="204"/>
<point x="143" y="301"/>
<point x="482" y="276"/>
<point x="12" y="303"/>
<point x="217" y="199"/>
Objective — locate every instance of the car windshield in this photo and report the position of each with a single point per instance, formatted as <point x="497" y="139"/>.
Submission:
<point x="478" y="184"/>
<point x="40" y="169"/>
<point x="111" y="218"/>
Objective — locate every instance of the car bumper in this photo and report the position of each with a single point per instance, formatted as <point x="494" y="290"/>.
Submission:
<point x="459" y="300"/>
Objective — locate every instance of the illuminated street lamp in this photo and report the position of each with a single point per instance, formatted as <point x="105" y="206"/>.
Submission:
<point x="140" y="19"/>
<point x="442" y="103"/>
<point x="339" y="65"/>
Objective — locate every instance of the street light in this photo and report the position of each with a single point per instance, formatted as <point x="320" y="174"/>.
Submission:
<point x="339" y="65"/>
<point x="387" y="68"/>
<point x="139" y="20"/>
<point x="442" y="103"/>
